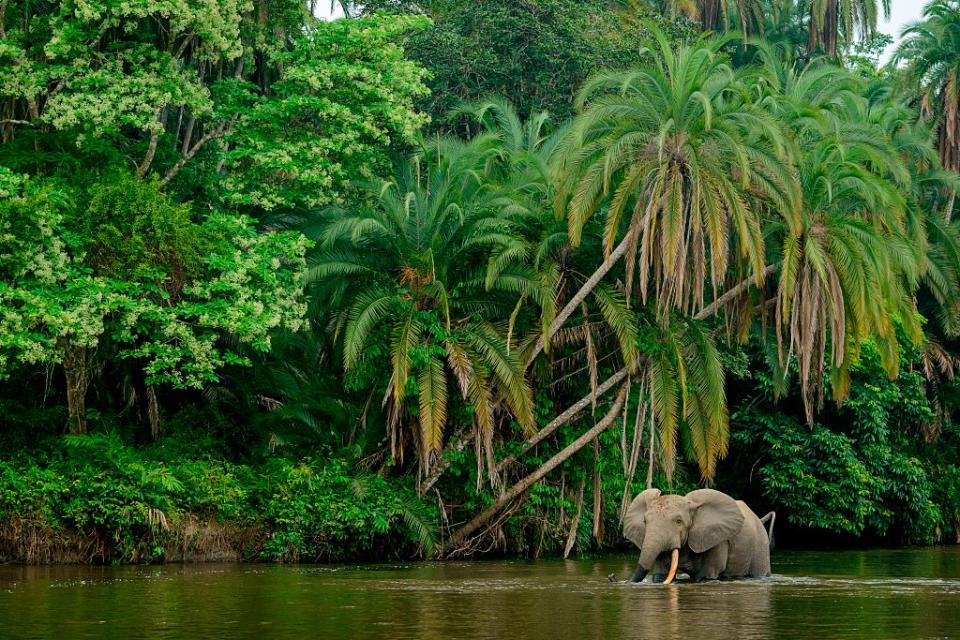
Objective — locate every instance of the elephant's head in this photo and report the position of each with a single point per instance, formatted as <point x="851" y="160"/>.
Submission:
<point x="663" y="524"/>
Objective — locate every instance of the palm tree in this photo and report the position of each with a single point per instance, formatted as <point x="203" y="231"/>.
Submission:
<point x="931" y="50"/>
<point x="678" y="146"/>
<point x="402" y="272"/>
<point x="851" y="19"/>
<point x="686" y="380"/>
<point x="539" y="255"/>
<point x="849" y="262"/>
<point x="713" y="15"/>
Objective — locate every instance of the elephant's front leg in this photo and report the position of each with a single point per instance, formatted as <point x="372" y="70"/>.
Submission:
<point x="712" y="563"/>
<point x="661" y="568"/>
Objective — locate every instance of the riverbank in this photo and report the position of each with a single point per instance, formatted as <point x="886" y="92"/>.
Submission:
<point x="94" y="500"/>
<point x="101" y="499"/>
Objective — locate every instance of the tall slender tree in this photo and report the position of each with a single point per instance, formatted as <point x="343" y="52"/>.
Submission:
<point x="831" y="20"/>
<point x="930" y="49"/>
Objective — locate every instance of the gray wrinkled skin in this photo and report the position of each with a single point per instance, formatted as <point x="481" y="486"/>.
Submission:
<point x="717" y="536"/>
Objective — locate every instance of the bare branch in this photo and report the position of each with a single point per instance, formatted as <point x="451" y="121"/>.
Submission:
<point x="219" y="132"/>
<point x="460" y="536"/>
<point x="564" y="417"/>
<point x="151" y="148"/>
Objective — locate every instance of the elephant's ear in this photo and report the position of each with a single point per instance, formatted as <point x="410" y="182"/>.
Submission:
<point x="716" y="517"/>
<point x="633" y="525"/>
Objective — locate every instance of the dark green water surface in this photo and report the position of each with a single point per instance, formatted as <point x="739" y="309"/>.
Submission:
<point x="813" y="595"/>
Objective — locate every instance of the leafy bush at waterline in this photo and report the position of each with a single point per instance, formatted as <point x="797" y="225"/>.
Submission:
<point x="92" y="499"/>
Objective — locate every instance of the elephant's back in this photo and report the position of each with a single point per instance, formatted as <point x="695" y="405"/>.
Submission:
<point x="753" y="537"/>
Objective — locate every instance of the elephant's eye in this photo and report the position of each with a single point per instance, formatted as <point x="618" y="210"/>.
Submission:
<point x="679" y="521"/>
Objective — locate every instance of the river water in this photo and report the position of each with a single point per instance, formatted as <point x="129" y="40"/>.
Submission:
<point x="873" y="594"/>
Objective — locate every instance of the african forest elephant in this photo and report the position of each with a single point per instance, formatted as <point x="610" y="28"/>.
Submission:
<point x="705" y="533"/>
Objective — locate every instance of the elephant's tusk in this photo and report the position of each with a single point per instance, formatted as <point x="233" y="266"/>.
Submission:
<point x="674" y="563"/>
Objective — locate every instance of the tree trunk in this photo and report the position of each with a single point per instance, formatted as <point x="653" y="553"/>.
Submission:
<point x="151" y="146"/>
<point x="733" y="292"/>
<point x="458" y="538"/>
<point x="582" y="294"/>
<point x="564" y="418"/>
<point x="830" y="26"/>
<point x="455" y="445"/>
<point x="75" y="370"/>
<point x="709" y="11"/>
<point x="153" y="413"/>
<point x="824" y="34"/>
<point x="597" y="493"/>
<point x="632" y="458"/>
<point x="572" y="534"/>
<point x="650" y="453"/>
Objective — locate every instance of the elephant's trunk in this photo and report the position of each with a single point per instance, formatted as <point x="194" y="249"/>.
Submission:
<point x="649" y="553"/>
<point x="674" y="563"/>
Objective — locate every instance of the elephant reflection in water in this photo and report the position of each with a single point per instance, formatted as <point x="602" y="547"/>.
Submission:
<point x="745" y="610"/>
<point x="705" y="533"/>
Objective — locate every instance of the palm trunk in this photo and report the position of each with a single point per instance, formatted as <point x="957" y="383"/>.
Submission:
<point x="456" y="444"/>
<point x="650" y="454"/>
<point x="564" y="418"/>
<point x="572" y="534"/>
<point x="75" y="371"/>
<point x="582" y="294"/>
<point x="732" y="293"/>
<point x="824" y="34"/>
<point x="709" y="11"/>
<point x="457" y="539"/>
<point x="830" y="26"/>
<point x="597" y="493"/>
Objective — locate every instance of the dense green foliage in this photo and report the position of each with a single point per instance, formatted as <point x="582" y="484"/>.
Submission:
<point x="534" y="54"/>
<point x="866" y="468"/>
<point x="302" y="290"/>
<point x="155" y="503"/>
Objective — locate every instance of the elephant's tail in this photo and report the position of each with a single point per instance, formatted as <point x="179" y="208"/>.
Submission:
<point x="772" y="517"/>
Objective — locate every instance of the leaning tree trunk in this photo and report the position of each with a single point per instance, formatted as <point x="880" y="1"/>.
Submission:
<point x="458" y="442"/>
<point x="564" y="418"/>
<point x="582" y="294"/>
<point x="75" y="370"/>
<point x="458" y="538"/>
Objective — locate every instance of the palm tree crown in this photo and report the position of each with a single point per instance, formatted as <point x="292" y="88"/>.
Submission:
<point x="403" y="271"/>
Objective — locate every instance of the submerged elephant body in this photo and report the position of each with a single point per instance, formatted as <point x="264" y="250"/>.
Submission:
<point x="705" y="533"/>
